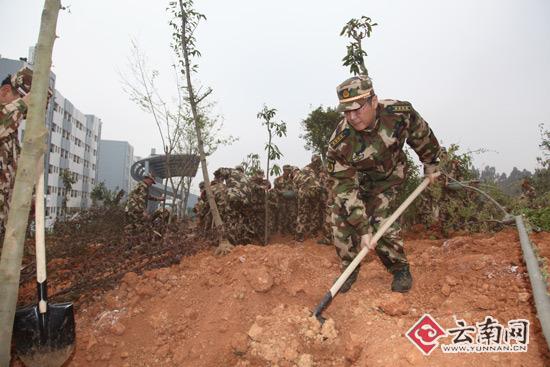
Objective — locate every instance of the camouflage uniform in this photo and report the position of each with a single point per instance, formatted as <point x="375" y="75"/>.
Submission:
<point x="237" y="221"/>
<point x="287" y="205"/>
<point x="308" y="189"/>
<point x="136" y="206"/>
<point x="368" y="166"/>
<point x="11" y="115"/>
<point x="327" y="202"/>
<point x="321" y="195"/>
<point x="259" y="188"/>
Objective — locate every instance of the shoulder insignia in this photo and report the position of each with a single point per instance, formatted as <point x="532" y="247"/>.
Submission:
<point x="399" y="108"/>
<point x="339" y="138"/>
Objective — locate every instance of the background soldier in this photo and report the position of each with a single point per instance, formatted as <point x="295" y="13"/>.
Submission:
<point x="369" y="141"/>
<point x="308" y="190"/>
<point x="259" y="187"/>
<point x="287" y="200"/>
<point x="136" y="207"/>
<point x="13" y="106"/>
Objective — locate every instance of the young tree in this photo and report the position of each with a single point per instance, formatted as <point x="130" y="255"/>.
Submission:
<point x="273" y="128"/>
<point x="185" y="22"/>
<point x="319" y="126"/>
<point x="141" y="86"/>
<point x="251" y="164"/>
<point x="27" y="173"/>
<point x="210" y="126"/>
<point x="357" y="30"/>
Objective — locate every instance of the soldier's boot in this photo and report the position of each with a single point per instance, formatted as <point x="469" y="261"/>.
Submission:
<point x="299" y="237"/>
<point x="349" y="282"/>
<point x="402" y="280"/>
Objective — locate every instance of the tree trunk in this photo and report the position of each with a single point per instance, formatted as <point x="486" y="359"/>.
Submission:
<point x="266" y="216"/>
<point x="33" y="149"/>
<point x="186" y="194"/>
<point x="218" y="223"/>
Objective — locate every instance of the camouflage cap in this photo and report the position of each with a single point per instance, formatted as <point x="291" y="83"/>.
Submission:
<point x="287" y="167"/>
<point x="353" y="93"/>
<point x="239" y="167"/>
<point x="22" y="80"/>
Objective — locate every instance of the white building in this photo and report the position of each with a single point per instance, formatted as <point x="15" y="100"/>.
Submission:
<point x="115" y="160"/>
<point x="73" y="146"/>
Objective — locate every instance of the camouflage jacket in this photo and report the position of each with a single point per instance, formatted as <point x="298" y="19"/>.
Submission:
<point x="306" y="182"/>
<point x="283" y="183"/>
<point x="237" y="184"/>
<point x="373" y="160"/>
<point x="10" y="116"/>
<point x="137" y="199"/>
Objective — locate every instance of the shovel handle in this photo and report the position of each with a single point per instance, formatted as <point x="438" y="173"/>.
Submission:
<point x="383" y="228"/>
<point x="40" y="238"/>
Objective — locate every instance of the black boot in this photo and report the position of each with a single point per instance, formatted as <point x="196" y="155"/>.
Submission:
<point x="402" y="280"/>
<point x="349" y="282"/>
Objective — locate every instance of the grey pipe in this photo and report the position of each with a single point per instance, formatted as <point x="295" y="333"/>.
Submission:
<point x="542" y="300"/>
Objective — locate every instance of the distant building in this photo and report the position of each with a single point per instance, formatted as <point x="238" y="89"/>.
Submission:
<point x="73" y="142"/>
<point x="115" y="160"/>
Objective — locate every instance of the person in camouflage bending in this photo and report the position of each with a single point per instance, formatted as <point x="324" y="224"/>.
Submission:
<point x="366" y="160"/>
<point x="136" y="207"/>
<point x="13" y="106"/>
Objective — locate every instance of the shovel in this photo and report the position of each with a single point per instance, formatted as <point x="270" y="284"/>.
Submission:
<point x="44" y="333"/>
<point x="351" y="267"/>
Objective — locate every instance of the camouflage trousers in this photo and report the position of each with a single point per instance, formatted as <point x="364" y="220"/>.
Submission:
<point x="288" y="209"/>
<point x="326" y="224"/>
<point x="308" y="208"/>
<point x="134" y="221"/>
<point x="389" y="248"/>
<point x="273" y="212"/>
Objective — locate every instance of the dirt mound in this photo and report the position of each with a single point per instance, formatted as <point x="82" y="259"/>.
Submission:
<point x="252" y="308"/>
<point x="289" y="335"/>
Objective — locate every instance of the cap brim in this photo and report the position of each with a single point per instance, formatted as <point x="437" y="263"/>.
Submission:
<point x="351" y="106"/>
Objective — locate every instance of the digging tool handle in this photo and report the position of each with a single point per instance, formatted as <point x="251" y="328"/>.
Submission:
<point x="383" y="228"/>
<point x="41" y="280"/>
<point x="351" y="267"/>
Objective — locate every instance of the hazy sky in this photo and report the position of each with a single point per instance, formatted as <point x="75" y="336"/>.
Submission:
<point x="477" y="71"/>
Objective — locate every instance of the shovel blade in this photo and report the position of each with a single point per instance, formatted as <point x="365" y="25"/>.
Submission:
<point x="45" y="340"/>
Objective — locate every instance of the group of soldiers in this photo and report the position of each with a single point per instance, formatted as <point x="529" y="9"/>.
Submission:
<point x="298" y="204"/>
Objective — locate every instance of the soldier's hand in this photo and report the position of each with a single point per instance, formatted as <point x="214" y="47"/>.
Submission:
<point x="223" y="248"/>
<point x="366" y="241"/>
